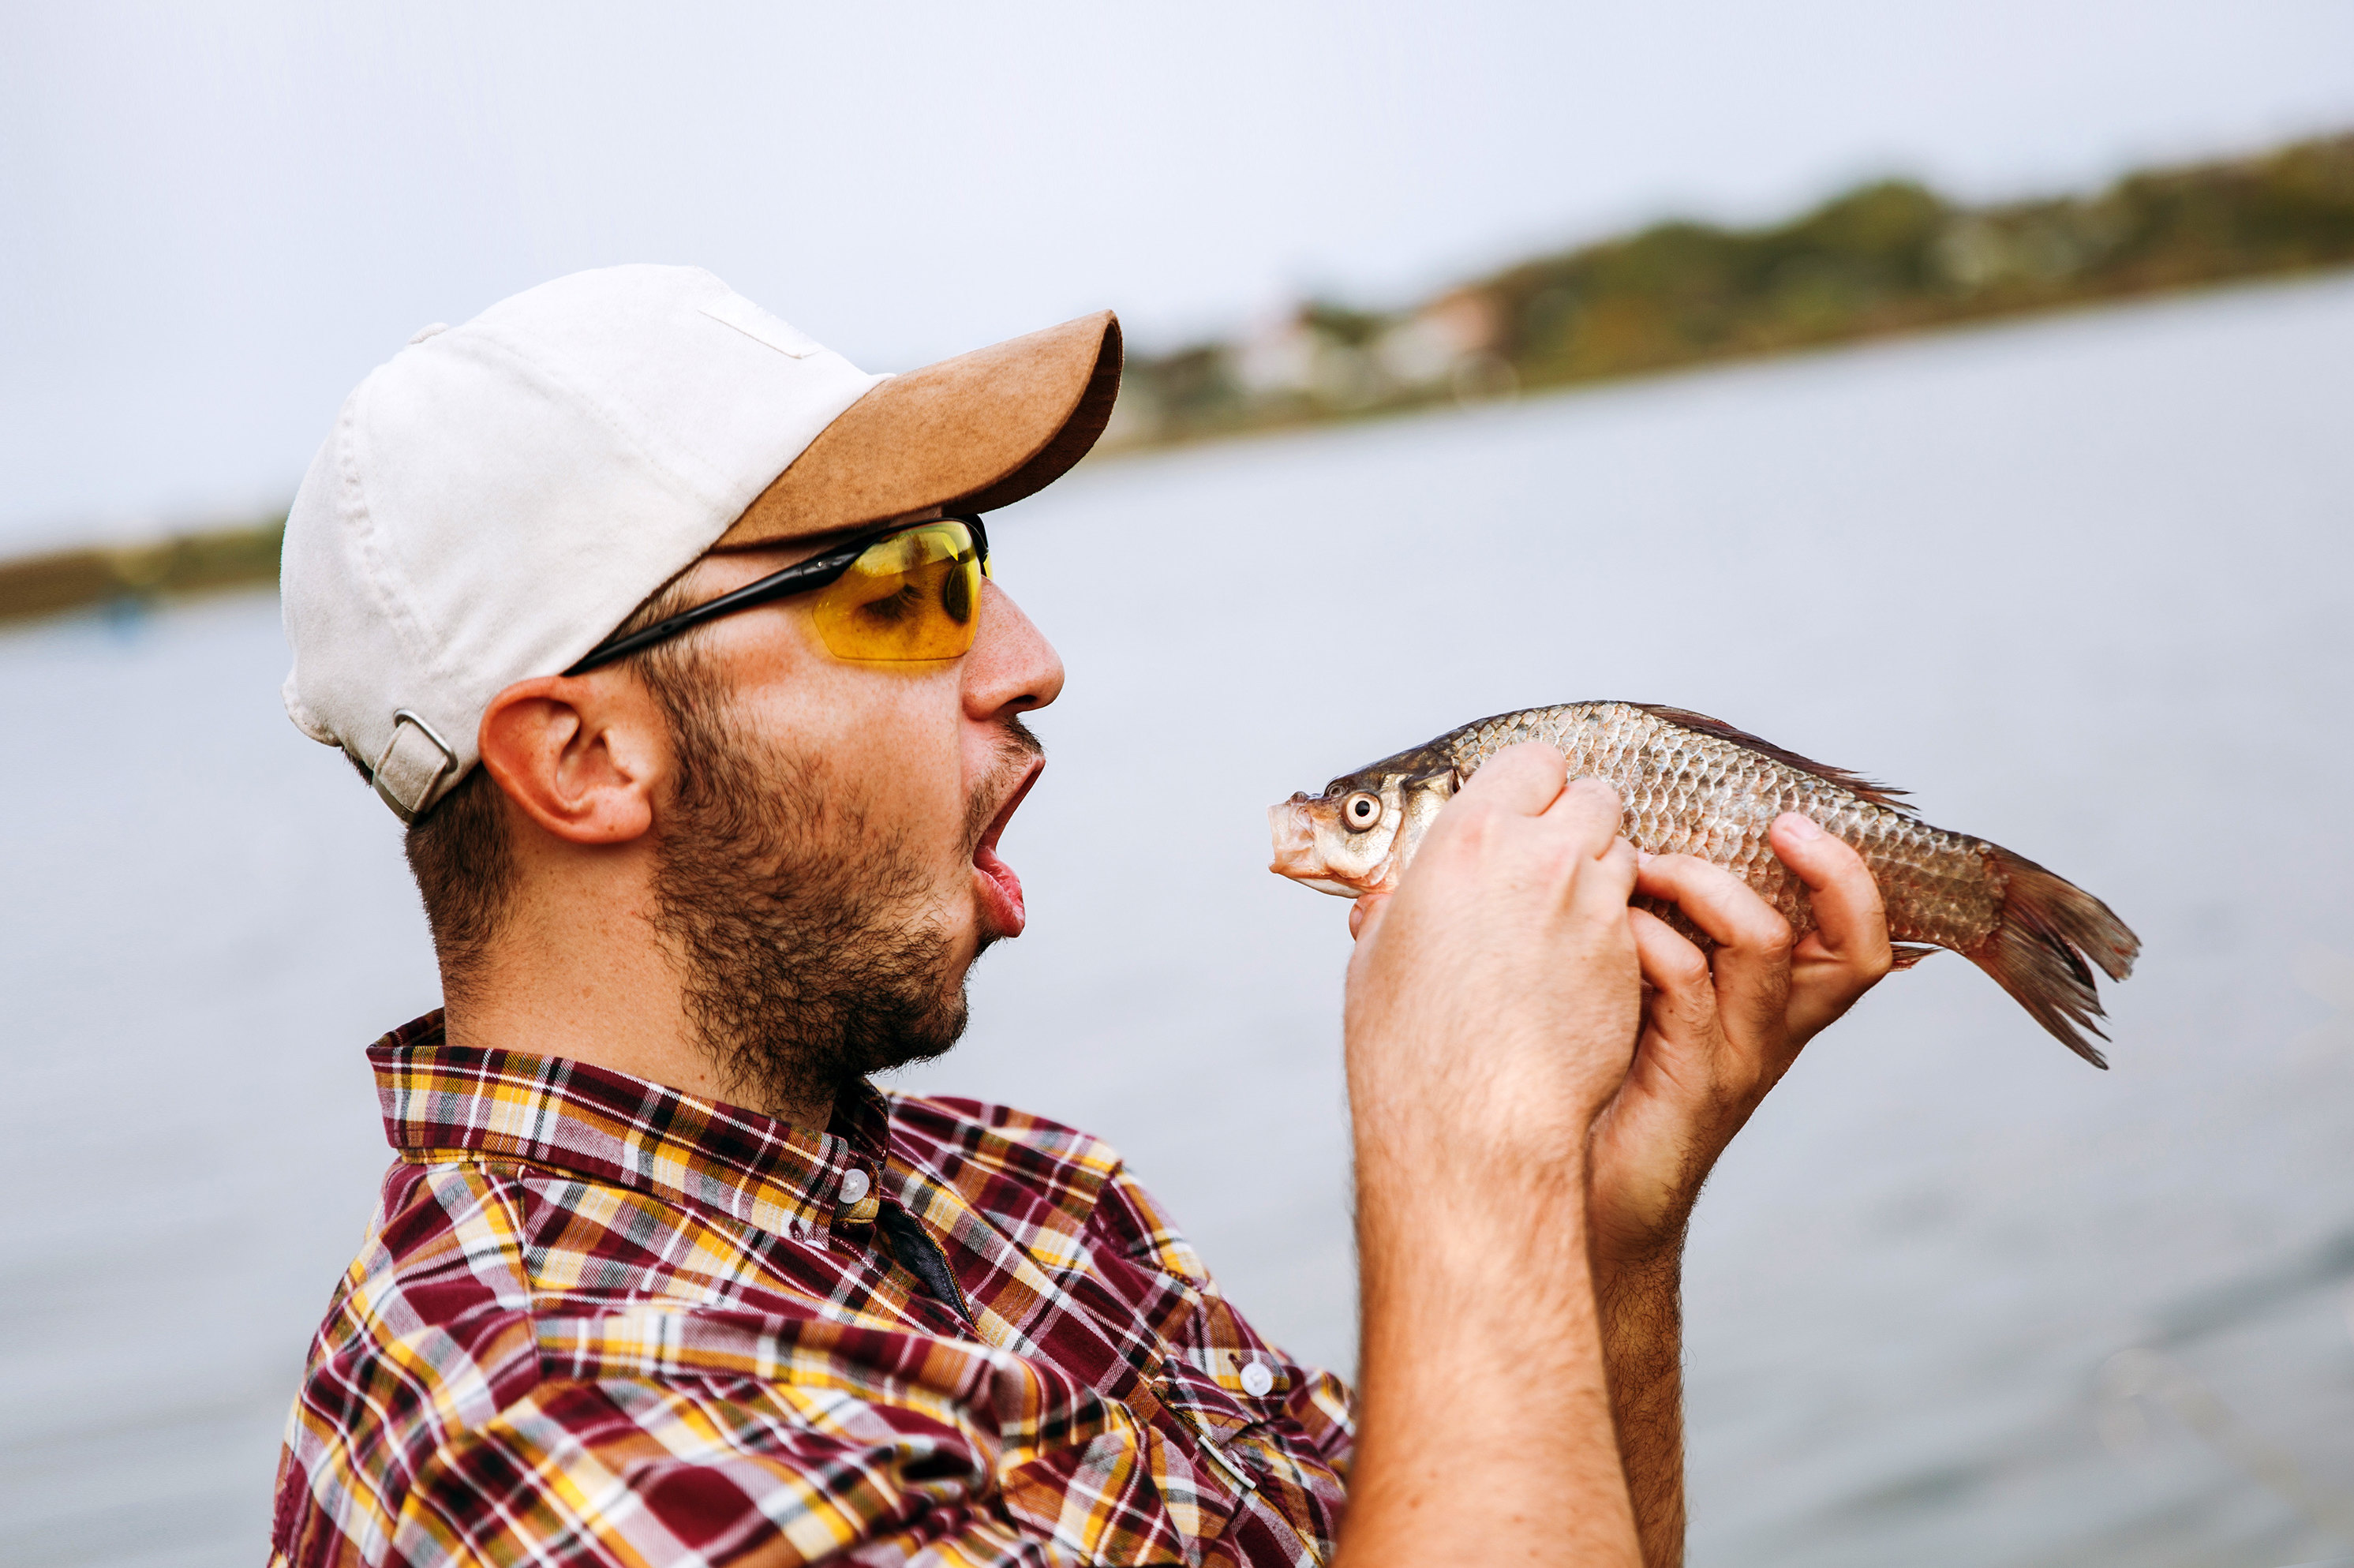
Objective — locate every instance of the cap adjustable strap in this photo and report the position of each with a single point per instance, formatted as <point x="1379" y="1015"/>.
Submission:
<point x="446" y="765"/>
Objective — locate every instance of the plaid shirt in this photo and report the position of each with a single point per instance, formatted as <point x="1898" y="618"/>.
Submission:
<point x="598" y="1322"/>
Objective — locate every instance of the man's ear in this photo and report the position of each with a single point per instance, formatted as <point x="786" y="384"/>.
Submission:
<point x="580" y="755"/>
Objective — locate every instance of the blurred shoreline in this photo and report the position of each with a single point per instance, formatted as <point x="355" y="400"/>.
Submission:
<point x="1885" y="259"/>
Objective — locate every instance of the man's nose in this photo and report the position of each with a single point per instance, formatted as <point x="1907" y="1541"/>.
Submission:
<point x="1011" y="668"/>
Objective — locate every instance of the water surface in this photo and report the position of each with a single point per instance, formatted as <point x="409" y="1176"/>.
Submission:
<point x="2082" y="584"/>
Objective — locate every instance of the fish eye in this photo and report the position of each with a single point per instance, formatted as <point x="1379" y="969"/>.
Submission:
<point x="1360" y="811"/>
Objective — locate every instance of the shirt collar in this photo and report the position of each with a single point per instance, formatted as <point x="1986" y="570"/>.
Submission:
<point x="551" y="1111"/>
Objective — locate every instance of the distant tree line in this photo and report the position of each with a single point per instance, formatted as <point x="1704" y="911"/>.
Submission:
<point x="128" y="576"/>
<point x="1888" y="258"/>
<point x="1891" y="257"/>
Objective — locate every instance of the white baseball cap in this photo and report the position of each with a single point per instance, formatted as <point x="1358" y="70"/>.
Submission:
<point x="499" y="496"/>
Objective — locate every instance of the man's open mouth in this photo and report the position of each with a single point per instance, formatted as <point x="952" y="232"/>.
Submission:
<point x="1003" y="911"/>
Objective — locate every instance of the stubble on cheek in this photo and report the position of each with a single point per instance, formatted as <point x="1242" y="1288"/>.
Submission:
<point x="812" y="949"/>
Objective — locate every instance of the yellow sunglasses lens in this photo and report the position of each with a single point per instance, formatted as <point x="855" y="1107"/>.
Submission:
<point x="915" y="595"/>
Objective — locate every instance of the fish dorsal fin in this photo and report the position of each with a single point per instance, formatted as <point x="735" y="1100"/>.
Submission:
<point x="1862" y="789"/>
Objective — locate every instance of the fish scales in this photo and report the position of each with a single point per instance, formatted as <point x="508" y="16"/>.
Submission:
<point x="1693" y="784"/>
<point x="1690" y="792"/>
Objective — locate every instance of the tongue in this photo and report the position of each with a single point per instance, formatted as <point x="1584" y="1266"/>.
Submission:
<point x="991" y="865"/>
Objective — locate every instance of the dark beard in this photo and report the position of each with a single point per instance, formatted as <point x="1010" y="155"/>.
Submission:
<point x="810" y="959"/>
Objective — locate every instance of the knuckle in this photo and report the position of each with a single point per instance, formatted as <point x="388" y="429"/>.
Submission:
<point x="1596" y="789"/>
<point x="1483" y="832"/>
<point x="1529" y="756"/>
<point x="1467" y="827"/>
<point x="1555" y="859"/>
<point x="1688" y="969"/>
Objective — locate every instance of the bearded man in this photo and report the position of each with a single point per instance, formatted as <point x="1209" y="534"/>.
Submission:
<point x="671" y="636"/>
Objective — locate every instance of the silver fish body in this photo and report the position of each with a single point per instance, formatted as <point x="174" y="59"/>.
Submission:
<point x="1693" y="784"/>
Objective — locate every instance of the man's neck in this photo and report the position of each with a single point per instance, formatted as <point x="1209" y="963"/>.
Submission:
<point x="616" y="1004"/>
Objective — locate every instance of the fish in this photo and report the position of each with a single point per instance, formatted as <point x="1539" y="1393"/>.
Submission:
<point x="1694" y="785"/>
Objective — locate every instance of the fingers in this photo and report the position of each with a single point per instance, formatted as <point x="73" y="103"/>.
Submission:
<point x="1497" y="968"/>
<point x="1849" y="951"/>
<point x="1718" y="902"/>
<point x="1753" y="956"/>
<point x="1849" y="913"/>
<point x="1683" y="1007"/>
<point x="1523" y="779"/>
<point x="1589" y="810"/>
<point x="1577" y="820"/>
<point x="1606" y="886"/>
<point x="1765" y="991"/>
<point x="1586" y="817"/>
<point x="1531" y="779"/>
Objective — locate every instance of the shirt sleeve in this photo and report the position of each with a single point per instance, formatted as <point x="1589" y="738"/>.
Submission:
<point x="639" y="1473"/>
<point x="1130" y="1220"/>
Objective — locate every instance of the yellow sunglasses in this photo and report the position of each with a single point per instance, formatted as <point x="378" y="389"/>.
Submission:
<point x="909" y="592"/>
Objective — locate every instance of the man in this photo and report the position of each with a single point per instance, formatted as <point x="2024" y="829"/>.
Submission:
<point x="669" y="632"/>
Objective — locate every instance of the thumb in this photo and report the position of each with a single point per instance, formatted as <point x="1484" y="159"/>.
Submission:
<point x="1365" y="915"/>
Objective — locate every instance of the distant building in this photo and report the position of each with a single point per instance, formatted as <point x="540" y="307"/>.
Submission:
<point x="1430" y="345"/>
<point x="1278" y="356"/>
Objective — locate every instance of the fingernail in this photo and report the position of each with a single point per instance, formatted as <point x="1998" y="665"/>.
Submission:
<point x="1805" y="827"/>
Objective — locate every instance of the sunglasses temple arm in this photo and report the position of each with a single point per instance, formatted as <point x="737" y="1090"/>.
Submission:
<point x="800" y="578"/>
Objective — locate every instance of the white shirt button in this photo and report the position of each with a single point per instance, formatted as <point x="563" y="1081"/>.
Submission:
<point x="1257" y="1378"/>
<point x="853" y="1185"/>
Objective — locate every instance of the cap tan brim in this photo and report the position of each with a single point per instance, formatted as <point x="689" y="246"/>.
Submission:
<point x="969" y="434"/>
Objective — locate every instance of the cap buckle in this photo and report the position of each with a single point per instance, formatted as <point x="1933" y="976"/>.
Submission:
<point x="448" y="764"/>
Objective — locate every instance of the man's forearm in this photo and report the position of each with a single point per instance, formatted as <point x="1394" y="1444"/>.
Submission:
<point x="1486" y="1411"/>
<point x="1640" y="1308"/>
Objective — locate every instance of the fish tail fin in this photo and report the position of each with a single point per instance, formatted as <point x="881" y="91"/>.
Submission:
<point x="2038" y="953"/>
<point x="1904" y="955"/>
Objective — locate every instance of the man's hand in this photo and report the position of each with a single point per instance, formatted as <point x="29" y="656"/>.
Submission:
<point x="1720" y="1031"/>
<point x="1717" y="1034"/>
<point x="1494" y="997"/>
<point x="1493" y="1006"/>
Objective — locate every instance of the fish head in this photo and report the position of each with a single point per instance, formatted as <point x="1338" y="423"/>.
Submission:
<point x="1357" y="835"/>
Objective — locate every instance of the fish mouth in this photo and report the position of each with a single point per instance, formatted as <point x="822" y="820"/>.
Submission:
<point x="1292" y="825"/>
<point x="1003" y="911"/>
<point x="1326" y="884"/>
<point x="1294" y="831"/>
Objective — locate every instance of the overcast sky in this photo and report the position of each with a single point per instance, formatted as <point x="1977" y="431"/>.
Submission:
<point x="215" y="219"/>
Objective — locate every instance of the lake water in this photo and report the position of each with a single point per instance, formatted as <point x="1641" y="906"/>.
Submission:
<point x="2085" y="585"/>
